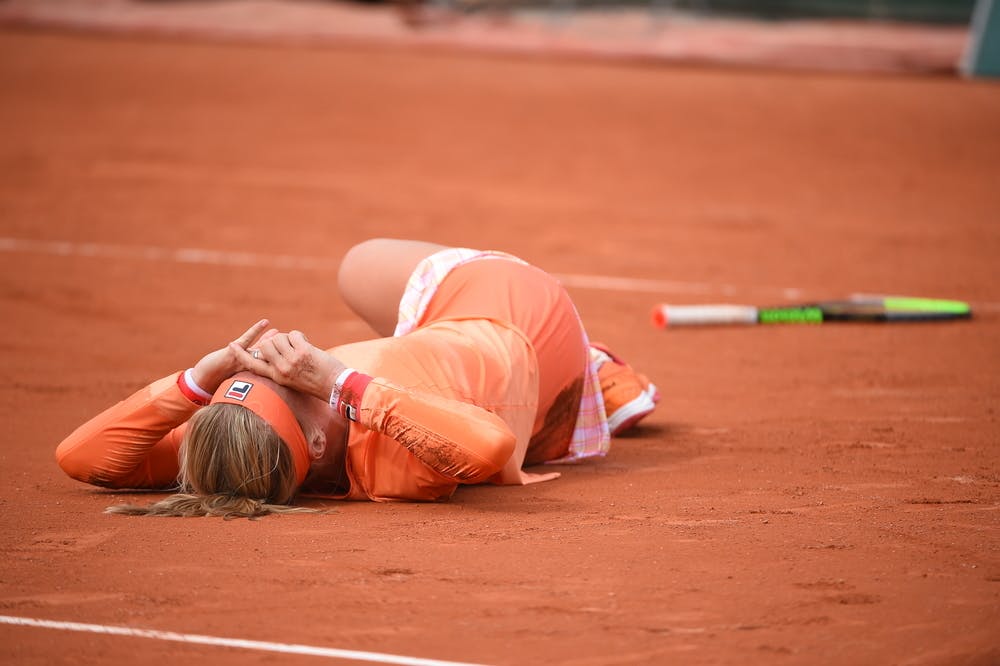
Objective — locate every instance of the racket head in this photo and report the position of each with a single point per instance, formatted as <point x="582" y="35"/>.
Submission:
<point x="894" y="309"/>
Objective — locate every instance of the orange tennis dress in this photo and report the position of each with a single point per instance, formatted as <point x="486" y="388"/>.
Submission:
<point x="489" y="379"/>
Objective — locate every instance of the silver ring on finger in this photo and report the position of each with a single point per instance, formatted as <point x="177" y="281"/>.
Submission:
<point x="255" y="353"/>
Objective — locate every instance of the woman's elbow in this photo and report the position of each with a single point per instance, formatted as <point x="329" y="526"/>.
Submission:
<point x="74" y="465"/>
<point x="74" y="460"/>
<point x="493" y="451"/>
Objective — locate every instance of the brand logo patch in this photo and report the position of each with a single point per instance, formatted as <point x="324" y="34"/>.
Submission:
<point x="239" y="390"/>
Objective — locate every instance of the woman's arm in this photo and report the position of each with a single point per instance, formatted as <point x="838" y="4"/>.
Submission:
<point x="457" y="439"/>
<point x="134" y="444"/>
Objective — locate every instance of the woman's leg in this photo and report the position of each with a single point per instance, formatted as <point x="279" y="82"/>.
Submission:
<point x="373" y="276"/>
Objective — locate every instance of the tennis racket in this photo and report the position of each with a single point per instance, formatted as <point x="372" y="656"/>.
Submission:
<point x="855" y="309"/>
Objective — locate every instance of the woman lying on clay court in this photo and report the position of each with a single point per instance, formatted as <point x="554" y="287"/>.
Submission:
<point x="486" y="368"/>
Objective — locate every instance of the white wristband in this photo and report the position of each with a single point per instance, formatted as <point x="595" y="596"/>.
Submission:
<point x="191" y="384"/>
<point x="338" y="385"/>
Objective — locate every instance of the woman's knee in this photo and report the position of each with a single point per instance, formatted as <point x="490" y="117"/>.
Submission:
<point x="373" y="275"/>
<point x="351" y="273"/>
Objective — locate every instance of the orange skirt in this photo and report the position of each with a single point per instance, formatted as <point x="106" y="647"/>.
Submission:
<point x="536" y="304"/>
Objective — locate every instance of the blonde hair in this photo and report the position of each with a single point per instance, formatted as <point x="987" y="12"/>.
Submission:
<point x="233" y="465"/>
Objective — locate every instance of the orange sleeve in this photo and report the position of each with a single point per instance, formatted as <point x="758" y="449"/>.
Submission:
<point x="456" y="439"/>
<point x="133" y="444"/>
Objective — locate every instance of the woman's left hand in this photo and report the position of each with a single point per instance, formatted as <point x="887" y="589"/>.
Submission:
<point x="221" y="364"/>
<point x="292" y="361"/>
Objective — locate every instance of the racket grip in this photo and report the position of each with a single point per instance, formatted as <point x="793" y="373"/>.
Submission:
<point x="703" y="315"/>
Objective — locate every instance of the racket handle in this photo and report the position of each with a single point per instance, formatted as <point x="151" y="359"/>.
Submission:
<point x="703" y="315"/>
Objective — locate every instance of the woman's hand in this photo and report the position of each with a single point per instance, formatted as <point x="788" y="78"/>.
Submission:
<point x="292" y="361"/>
<point x="221" y="364"/>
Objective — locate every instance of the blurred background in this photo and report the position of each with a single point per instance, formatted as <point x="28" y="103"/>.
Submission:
<point x="937" y="11"/>
<point x="924" y="36"/>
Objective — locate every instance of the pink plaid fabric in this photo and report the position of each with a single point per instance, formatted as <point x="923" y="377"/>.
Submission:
<point x="591" y="436"/>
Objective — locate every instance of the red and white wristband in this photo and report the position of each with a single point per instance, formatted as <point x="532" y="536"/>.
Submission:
<point x="348" y="390"/>
<point x="191" y="390"/>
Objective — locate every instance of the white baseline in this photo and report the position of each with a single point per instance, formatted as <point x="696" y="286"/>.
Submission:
<point x="264" y="646"/>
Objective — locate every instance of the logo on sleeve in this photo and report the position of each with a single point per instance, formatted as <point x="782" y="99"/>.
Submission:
<point x="239" y="390"/>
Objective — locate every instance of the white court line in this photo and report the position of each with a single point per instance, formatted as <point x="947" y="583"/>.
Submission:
<point x="289" y="262"/>
<point x="183" y="255"/>
<point x="264" y="646"/>
<point x="193" y="255"/>
<point x="643" y="285"/>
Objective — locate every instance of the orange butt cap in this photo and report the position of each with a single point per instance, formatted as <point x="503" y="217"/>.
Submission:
<point x="659" y="316"/>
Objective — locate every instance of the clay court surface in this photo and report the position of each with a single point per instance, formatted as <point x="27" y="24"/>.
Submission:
<point x="825" y="494"/>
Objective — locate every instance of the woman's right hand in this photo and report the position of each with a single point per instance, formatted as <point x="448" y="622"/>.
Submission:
<point x="221" y="364"/>
<point x="292" y="361"/>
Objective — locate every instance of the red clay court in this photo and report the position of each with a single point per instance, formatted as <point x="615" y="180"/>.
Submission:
<point x="804" y="495"/>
